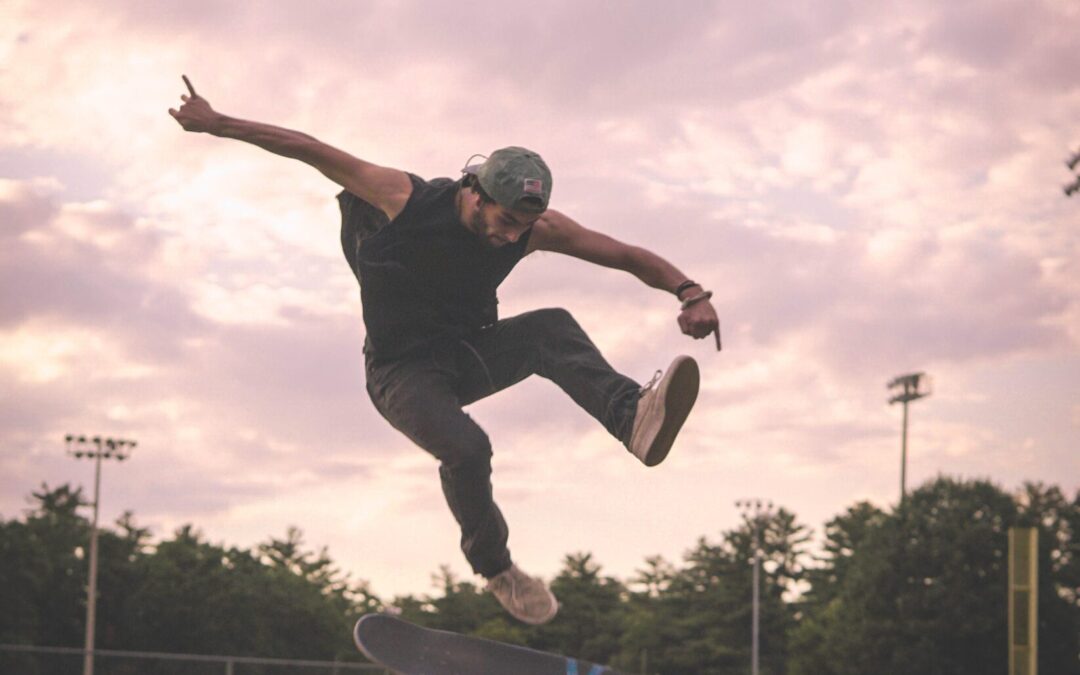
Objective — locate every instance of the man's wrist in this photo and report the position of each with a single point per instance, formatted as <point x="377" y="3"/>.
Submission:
<point x="703" y="296"/>
<point x="224" y="126"/>
<point x="686" y="289"/>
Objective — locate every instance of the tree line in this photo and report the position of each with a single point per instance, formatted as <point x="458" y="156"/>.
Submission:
<point x="917" y="589"/>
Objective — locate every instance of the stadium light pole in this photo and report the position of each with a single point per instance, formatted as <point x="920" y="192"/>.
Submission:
<point x="96" y="448"/>
<point x="907" y="388"/>
<point x="755" y="512"/>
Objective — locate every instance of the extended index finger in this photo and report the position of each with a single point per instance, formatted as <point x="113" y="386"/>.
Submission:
<point x="189" y="87"/>
<point x="719" y="347"/>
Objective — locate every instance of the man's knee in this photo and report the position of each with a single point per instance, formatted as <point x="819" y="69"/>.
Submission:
<point x="445" y="432"/>
<point x="552" y="322"/>
<point x="472" y="449"/>
<point x="456" y="446"/>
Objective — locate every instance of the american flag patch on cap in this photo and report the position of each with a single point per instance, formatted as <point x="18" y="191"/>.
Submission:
<point x="534" y="186"/>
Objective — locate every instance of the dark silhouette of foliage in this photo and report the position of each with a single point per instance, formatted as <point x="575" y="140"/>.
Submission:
<point x="919" y="589"/>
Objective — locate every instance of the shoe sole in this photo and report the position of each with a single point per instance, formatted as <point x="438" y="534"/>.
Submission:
<point x="525" y="618"/>
<point x="536" y="620"/>
<point x="547" y="617"/>
<point x="679" y="391"/>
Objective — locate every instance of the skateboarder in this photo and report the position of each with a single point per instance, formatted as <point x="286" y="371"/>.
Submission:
<point x="429" y="256"/>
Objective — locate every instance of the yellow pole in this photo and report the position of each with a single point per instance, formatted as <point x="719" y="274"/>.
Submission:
<point x="1023" y="601"/>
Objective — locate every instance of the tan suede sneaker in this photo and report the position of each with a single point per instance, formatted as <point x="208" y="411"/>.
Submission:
<point x="663" y="407"/>
<point x="526" y="598"/>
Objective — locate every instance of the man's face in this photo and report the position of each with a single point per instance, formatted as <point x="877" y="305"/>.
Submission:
<point x="498" y="226"/>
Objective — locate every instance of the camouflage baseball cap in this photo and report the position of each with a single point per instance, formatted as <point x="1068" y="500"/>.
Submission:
<point x="515" y="178"/>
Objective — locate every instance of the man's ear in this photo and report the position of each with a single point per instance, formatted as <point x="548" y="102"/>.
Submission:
<point x="471" y="198"/>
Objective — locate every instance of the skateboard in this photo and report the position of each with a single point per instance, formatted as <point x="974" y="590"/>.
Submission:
<point x="411" y="650"/>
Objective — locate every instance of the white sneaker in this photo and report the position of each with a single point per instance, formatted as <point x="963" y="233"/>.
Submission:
<point x="527" y="598"/>
<point x="664" y="405"/>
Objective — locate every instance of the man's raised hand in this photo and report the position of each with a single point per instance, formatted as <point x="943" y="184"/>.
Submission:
<point x="195" y="114"/>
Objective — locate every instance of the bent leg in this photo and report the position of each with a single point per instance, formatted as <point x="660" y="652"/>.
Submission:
<point x="551" y="343"/>
<point x="418" y="399"/>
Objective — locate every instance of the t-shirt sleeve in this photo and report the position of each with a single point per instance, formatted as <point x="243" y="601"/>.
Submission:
<point x="359" y="221"/>
<point x="360" y="217"/>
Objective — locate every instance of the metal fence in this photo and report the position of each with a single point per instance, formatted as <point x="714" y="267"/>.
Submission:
<point x="31" y="660"/>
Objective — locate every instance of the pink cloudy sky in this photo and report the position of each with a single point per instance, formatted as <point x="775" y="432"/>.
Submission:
<point x="868" y="193"/>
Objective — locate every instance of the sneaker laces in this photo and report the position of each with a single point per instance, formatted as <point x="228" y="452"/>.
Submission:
<point x="652" y="383"/>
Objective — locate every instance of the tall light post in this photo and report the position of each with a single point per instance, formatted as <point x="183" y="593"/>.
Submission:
<point x="907" y="388"/>
<point x="96" y="448"/>
<point x="755" y="512"/>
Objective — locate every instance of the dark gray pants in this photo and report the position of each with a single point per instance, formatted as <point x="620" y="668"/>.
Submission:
<point x="422" y="396"/>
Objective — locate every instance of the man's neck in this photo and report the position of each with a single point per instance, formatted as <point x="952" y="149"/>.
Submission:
<point x="461" y="203"/>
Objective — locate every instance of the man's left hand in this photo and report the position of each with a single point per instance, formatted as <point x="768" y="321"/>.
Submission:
<point x="195" y="114"/>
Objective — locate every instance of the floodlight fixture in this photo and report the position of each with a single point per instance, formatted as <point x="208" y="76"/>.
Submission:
<point x="910" y="387"/>
<point x="758" y="506"/>
<point x="1072" y="187"/>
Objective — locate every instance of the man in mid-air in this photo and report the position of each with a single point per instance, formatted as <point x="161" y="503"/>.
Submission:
<point x="429" y="256"/>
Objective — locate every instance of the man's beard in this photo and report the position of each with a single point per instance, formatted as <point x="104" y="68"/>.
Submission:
<point x="479" y="227"/>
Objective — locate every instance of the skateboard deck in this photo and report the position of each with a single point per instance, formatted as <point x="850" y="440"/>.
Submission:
<point x="411" y="650"/>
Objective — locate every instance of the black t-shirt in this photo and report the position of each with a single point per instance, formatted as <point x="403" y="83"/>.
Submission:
<point x="424" y="278"/>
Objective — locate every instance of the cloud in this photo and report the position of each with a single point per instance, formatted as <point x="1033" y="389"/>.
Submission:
<point x="96" y="303"/>
<point x="88" y="264"/>
<point x="1026" y="43"/>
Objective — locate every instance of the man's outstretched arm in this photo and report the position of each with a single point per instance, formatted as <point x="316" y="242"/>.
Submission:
<point x="561" y="234"/>
<point x="387" y="189"/>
